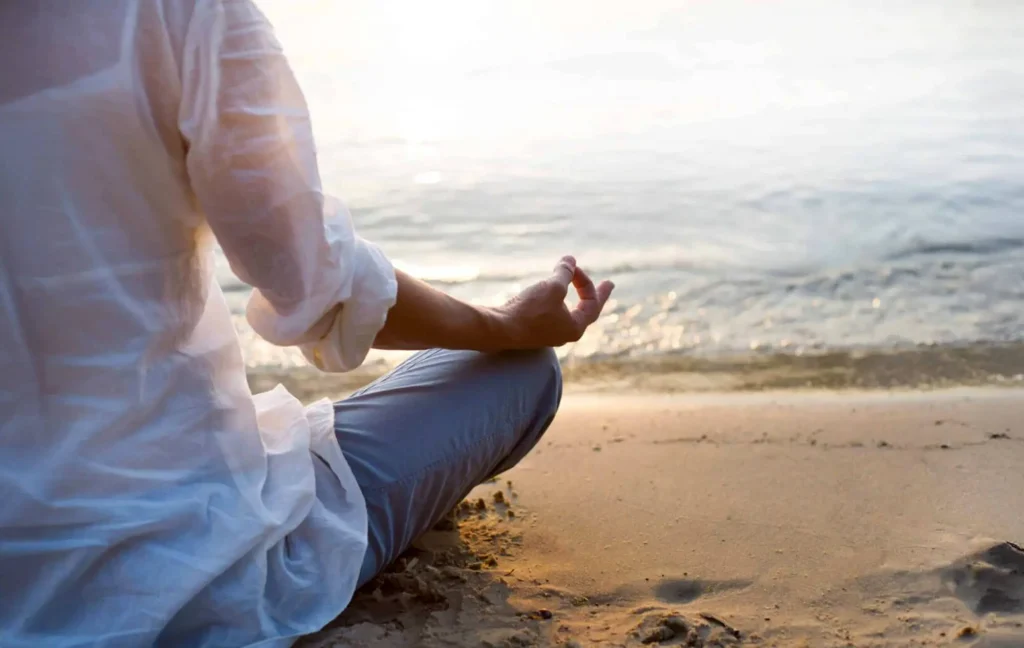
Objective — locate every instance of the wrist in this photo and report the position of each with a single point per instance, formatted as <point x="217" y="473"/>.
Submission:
<point x="501" y="330"/>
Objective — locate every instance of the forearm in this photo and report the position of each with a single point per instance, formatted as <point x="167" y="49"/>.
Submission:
<point x="425" y="318"/>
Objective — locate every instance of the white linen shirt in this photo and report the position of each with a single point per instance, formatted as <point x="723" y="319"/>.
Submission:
<point x="148" y="498"/>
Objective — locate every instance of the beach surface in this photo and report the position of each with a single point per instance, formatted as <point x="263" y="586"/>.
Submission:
<point x="762" y="519"/>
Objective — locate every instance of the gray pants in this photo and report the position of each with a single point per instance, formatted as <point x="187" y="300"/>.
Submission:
<point x="422" y="436"/>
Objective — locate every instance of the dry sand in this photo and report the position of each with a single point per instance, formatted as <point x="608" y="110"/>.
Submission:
<point x="757" y="520"/>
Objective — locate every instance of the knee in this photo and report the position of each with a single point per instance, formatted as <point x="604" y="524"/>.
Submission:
<point x="545" y="375"/>
<point x="551" y="364"/>
<point x="534" y="377"/>
<point x="544" y="366"/>
<point x="539" y="378"/>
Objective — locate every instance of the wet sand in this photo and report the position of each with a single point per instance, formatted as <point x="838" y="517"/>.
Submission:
<point x="785" y="519"/>
<point x="926" y="367"/>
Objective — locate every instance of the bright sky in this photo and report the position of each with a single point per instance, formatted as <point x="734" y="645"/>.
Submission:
<point x="484" y="68"/>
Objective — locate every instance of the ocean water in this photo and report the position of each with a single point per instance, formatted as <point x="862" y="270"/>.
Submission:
<point x="760" y="179"/>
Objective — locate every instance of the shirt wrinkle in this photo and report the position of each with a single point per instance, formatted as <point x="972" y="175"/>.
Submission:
<point x="149" y="497"/>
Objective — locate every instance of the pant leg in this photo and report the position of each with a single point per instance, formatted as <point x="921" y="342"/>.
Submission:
<point x="424" y="435"/>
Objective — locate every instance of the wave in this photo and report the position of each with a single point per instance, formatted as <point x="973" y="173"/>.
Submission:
<point x="456" y="276"/>
<point x="739" y="271"/>
<point x="923" y="367"/>
<point x="981" y="247"/>
<point x="920" y="367"/>
<point x="440" y="278"/>
<point x="662" y="261"/>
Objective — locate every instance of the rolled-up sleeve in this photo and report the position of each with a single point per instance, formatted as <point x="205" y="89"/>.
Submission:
<point x="252" y="163"/>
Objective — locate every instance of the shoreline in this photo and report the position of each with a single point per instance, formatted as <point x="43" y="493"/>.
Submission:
<point x="793" y="518"/>
<point x="928" y="368"/>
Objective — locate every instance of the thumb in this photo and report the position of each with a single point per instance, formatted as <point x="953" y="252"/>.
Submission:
<point x="565" y="269"/>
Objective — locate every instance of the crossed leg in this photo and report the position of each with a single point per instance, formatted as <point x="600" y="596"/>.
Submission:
<point x="425" y="434"/>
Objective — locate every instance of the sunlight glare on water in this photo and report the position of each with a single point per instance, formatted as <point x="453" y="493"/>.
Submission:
<point x="776" y="177"/>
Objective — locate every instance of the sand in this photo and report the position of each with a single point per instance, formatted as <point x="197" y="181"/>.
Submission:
<point x="785" y="519"/>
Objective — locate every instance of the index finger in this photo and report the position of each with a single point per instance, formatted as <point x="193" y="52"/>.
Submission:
<point x="588" y="310"/>
<point x="584" y="284"/>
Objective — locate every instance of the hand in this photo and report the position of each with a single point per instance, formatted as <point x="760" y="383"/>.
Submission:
<point x="538" y="316"/>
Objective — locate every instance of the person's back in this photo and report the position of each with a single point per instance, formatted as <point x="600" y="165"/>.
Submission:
<point x="129" y="435"/>
<point x="148" y="497"/>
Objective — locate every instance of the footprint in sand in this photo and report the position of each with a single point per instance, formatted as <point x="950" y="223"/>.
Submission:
<point x="989" y="581"/>
<point x="680" y="591"/>
<point x="977" y="600"/>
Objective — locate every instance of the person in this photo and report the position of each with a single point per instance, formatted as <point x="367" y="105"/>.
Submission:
<point x="148" y="497"/>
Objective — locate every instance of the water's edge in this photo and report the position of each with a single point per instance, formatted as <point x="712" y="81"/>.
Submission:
<point x="925" y="367"/>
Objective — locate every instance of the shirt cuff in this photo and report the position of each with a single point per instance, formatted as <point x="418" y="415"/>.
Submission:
<point x="358" y="320"/>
